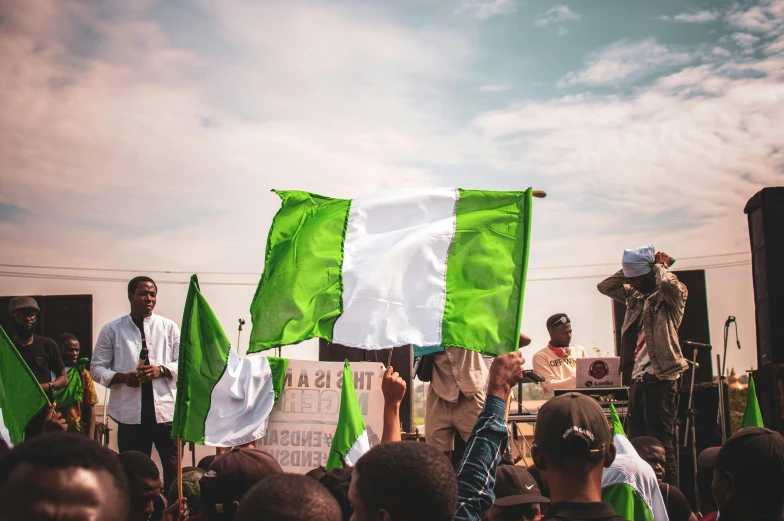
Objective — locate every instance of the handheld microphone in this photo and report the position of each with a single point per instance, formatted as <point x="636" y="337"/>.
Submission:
<point x="142" y="358"/>
<point x="730" y="320"/>
<point x="699" y="345"/>
<point x="532" y="376"/>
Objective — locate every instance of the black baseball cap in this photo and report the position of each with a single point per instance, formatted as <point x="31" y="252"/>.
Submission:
<point x="557" y="319"/>
<point x="754" y="456"/>
<point x="231" y="475"/>
<point x="572" y="426"/>
<point x="516" y="486"/>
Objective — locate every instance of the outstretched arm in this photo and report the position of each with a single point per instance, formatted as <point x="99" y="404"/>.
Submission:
<point x="614" y="287"/>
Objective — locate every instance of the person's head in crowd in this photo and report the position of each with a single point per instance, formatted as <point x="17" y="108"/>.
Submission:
<point x="560" y="328"/>
<point x="190" y="489"/>
<point x="205" y="462"/>
<point x="317" y="473"/>
<point x="403" y="482"/>
<point x="62" y="476"/>
<point x="69" y="349"/>
<point x="24" y="312"/>
<point x="230" y="476"/>
<point x="142" y="294"/>
<point x="748" y="475"/>
<point x="572" y="446"/>
<point x="705" y="463"/>
<point x="144" y="483"/>
<point x="337" y="482"/>
<point x="537" y="475"/>
<point x="517" y="496"/>
<point x="652" y="451"/>
<point x="4" y="449"/>
<point x="288" y="497"/>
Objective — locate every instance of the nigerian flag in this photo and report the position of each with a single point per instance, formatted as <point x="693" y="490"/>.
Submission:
<point x="752" y="416"/>
<point x="630" y="484"/>
<point x="74" y="391"/>
<point x="21" y="396"/>
<point x="351" y="440"/>
<point x="222" y="401"/>
<point x="429" y="267"/>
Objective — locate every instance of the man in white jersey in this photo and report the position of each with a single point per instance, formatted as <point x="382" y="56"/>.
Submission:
<point x="557" y="362"/>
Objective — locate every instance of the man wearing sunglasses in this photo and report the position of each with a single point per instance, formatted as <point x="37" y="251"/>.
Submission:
<point x="655" y="302"/>
<point x="557" y="362"/>
<point x="40" y="353"/>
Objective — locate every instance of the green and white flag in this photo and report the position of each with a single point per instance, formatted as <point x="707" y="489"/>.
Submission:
<point x="222" y="401"/>
<point x="752" y="416"/>
<point x="21" y="396"/>
<point x="351" y="440"/>
<point x="443" y="267"/>
<point x="630" y="484"/>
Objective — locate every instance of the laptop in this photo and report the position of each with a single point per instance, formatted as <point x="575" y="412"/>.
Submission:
<point x="598" y="372"/>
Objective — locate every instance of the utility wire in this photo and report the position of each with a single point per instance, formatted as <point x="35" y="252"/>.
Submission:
<point x="256" y="273"/>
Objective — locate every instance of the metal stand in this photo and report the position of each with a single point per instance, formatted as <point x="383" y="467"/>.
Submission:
<point x="239" y="333"/>
<point x="691" y="429"/>
<point x="722" y="427"/>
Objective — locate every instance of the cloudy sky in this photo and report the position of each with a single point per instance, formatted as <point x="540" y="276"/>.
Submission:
<point x="147" y="135"/>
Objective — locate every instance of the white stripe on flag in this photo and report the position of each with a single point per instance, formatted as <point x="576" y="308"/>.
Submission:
<point x="241" y="402"/>
<point x="4" y="434"/>
<point x="394" y="268"/>
<point x="360" y="446"/>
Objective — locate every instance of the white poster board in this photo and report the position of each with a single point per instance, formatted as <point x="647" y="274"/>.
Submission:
<point x="305" y="416"/>
<point x="598" y="372"/>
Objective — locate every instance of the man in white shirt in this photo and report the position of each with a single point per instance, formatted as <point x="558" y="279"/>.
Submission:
<point x="141" y="401"/>
<point x="557" y="362"/>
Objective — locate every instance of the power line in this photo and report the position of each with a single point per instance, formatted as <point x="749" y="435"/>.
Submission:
<point x="256" y="273"/>
<point x="53" y="276"/>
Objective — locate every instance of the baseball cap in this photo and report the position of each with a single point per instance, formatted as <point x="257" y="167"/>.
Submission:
<point x="572" y="426"/>
<point x="557" y="319"/>
<point x="231" y="475"/>
<point x="516" y="486"/>
<point x="754" y="456"/>
<point x="18" y="303"/>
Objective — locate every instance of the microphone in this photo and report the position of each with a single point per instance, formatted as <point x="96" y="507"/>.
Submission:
<point x="142" y="358"/>
<point x="695" y="364"/>
<point x="730" y="320"/>
<point x="532" y="376"/>
<point x="699" y="345"/>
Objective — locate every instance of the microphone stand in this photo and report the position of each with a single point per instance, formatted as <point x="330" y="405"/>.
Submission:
<point x="691" y="429"/>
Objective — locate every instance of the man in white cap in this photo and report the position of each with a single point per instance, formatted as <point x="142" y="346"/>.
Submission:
<point x="655" y="301"/>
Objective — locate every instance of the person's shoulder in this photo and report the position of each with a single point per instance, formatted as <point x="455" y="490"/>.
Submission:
<point x="578" y="350"/>
<point x="117" y="322"/>
<point x="46" y="342"/>
<point x="542" y="353"/>
<point x="167" y="323"/>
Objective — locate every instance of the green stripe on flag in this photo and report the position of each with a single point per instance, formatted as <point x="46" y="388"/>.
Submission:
<point x="350" y="422"/>
<point x="486" y="271"/>
<point x="300" y="294"/>
<point x="627" y="502"/>
<point x="21" y="396"/>
<point x="204" y="355"/>
<point x="616" y="422"/>
<point x="74" y="391"/>
<point x="278" y="367"/>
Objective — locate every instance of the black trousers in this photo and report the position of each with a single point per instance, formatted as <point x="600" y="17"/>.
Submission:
<point x="142" y="437"/>
<point x="652" y="412"/>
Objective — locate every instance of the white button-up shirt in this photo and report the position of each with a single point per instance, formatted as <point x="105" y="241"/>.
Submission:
<point x="117" y="351"/>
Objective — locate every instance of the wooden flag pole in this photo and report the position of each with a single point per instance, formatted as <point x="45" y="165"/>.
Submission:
<point x="179" y="468"/>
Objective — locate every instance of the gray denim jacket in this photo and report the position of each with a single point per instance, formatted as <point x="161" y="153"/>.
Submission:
<point x="661" y="314"/>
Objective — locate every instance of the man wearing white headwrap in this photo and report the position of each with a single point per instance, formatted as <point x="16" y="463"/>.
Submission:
<point x="655" y="301"/>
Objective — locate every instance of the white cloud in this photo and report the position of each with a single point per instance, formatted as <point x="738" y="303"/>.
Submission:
<point x="557" y="15"/>
<point x="745" y="41"/>
<point x="695" y="17"/>
<point x="494" y="88"/>
<point x="623" y="61"/>
<point x="766" y="17"/>
<point x="484" y="9"/>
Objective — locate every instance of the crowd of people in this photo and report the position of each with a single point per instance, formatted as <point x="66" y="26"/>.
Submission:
<point x="60" y="472"/>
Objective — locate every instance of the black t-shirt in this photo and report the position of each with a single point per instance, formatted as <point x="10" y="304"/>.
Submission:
<point x="567" y="511"/>
<point x="148" y="400"/>
<point x="42" y="357"/>
<point x="678" y="508"/>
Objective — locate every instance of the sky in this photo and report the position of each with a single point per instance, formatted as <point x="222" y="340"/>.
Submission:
<point x="147" y="135"/>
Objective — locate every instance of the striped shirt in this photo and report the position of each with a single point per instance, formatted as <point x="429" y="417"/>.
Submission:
<point x="642" y="362"/>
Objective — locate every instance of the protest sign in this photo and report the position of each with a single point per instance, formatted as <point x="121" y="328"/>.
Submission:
<point x="303" y="422"/>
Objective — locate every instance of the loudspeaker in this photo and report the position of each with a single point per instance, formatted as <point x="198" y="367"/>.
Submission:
<point x="769" y="384"/>
<point x="694" y="327"/>
<point x="401" y="361"/>
<point x="59" y="314"/>
<point x="766" y="221"/>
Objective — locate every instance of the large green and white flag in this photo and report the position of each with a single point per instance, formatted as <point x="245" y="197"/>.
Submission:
<point x="222" y="401"/>
<point x="752" y="416"/>
<point x="21" y="396"/>
<point x="630" y="484"/>
<point x="351" y="439"/>
<point x="425" y="267"/>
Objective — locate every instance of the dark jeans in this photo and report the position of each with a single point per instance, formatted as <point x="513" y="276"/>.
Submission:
<point x="141" y="437"/>
<point x="652" y="412"/>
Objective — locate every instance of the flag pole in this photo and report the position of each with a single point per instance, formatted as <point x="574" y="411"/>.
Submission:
<point x="179" y="468"/>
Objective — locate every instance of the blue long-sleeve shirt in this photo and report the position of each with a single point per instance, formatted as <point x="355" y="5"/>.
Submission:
<point x="477" y="471"/>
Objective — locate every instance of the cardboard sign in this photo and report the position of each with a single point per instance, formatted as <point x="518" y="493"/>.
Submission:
<point x="598" y="372"/>
<point x="303" y="422"/>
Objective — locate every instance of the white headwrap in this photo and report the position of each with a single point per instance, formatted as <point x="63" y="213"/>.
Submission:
<point x="638" y="261"/>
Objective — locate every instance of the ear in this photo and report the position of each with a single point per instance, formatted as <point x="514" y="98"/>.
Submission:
<point x="729" y="482"/>
<point x="382" y="515"/>
<point x="609" y="455"/>
<point x="538" y="457"/>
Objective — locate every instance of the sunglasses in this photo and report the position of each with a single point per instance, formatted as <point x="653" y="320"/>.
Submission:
<point x="562" y="320"/>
